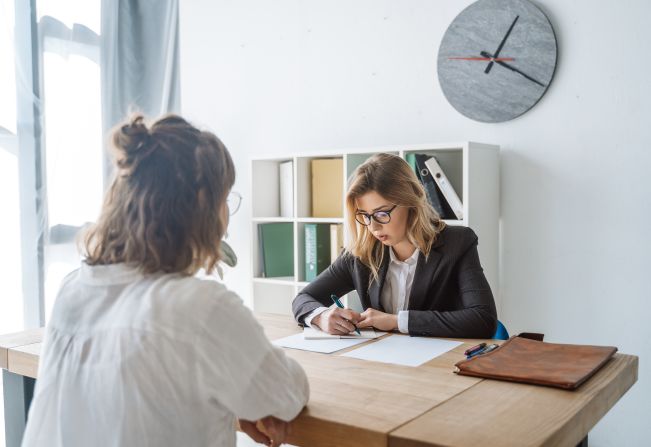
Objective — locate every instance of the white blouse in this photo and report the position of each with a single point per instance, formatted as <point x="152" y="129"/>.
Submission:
<point x="155" y="360"/>
<point x="397" y="287"/>
<point x="395" y="291"/>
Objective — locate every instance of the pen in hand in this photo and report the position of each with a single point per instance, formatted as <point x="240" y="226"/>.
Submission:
<point x="341" y="306"/>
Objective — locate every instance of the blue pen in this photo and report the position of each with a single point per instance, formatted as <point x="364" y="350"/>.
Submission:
<point x="476" y="353"/>
<point x="484" y="350"/>
<point x="341" y="306"/>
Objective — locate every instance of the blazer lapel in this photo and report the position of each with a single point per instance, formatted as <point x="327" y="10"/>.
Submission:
<point x="375" y="288"/>
<point x="423" y="278"/>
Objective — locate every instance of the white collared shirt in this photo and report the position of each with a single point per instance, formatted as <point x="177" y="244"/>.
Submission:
<point x="163" y="360"/>
<point x="397" y="287"/>
<point x="395" y="291"/>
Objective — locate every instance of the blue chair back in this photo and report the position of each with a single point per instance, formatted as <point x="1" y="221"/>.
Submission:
<point x="501" y="333"/>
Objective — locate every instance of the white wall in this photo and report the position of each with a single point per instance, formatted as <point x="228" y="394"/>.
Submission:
<point x="290" y="76"/>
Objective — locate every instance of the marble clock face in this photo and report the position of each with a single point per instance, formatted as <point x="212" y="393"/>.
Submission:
<point x="497" y="59"/>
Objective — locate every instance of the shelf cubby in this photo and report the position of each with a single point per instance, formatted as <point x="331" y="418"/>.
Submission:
<point x="473" y="171"/>
<point x="265" y="188"/>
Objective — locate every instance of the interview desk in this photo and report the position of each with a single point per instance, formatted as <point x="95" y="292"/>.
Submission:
<point x="365" y="404"/>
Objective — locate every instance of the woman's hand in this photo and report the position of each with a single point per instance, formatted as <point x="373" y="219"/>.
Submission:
<point x="274" y="431"/>
<point x="378" y="320"/>
<point x="337" y="321"/>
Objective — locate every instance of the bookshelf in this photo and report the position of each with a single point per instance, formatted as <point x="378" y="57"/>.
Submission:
<point x="473" y="171"/>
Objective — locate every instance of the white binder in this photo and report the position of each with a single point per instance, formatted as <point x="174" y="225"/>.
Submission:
<point x="445" y="186"/>
<point x="286" y="175"/>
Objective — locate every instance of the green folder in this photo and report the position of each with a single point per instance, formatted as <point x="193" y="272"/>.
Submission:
<point x="317" y="249"/>
<point x="277" y="249"/>
<point x="411" y="159"/>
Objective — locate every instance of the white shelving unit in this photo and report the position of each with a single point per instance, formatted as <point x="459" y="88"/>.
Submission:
<point x="472" y="168"/>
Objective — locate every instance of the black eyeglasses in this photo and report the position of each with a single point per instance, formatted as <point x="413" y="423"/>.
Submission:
<point x="381" y="217"/>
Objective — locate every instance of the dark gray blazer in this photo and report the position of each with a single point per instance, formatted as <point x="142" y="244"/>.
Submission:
<point x="450" y="296"/>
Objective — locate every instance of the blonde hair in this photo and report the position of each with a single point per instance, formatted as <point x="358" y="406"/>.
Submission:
<point x="392" y="178"/>
<point x="162" y="212"/>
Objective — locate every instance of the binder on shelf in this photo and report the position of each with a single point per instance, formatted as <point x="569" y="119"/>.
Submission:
<point x="434" y="194"/>
<point x="327" y="187"/>
<point x="336" y="241"/>
<point x="277" y="249"/>
<point x="445" y="186"/>
<point x="260" y="252"/>
<point x="410" y="158"/>
<point x="317" y="249"/>
<point x="286" y="177"/>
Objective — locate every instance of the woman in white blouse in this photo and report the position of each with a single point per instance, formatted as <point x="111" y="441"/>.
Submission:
<point x="412" y="272"/>
<point x="138" y="351"/>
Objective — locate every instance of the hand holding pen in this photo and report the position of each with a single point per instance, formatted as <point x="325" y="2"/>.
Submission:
<point x="341" y="306"/>
<point x="337" y="320"/>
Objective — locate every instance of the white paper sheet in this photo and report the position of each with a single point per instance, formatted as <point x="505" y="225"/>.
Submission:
<point x="325" y="346"/>
<point x="313" y="333"/>
<point x="403" y="350"/>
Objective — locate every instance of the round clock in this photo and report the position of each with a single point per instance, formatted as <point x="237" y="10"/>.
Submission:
<point x="497" y="59"/>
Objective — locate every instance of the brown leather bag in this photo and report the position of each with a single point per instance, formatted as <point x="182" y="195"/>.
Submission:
<point x="529" y="361"/>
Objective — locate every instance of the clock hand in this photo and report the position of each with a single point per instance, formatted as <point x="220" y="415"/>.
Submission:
<point x="512" y="68"/>
<point x="482" y="59"/>
<point x="497" y="53"/>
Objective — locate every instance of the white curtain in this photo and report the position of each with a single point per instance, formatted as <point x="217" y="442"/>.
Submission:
<point x="80" y="67"/>
<point x="139" y="59"/>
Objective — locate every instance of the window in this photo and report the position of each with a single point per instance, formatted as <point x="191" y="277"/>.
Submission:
<point x="51" y="114"/>
<point x="73" y="130"/>
<point x="11" y="306"/>
<point x="7" y="76"/>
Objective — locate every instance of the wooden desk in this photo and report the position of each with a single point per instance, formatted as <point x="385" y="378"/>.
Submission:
<point x="19" y="360"/>
<point x="495" y="413"/>
<point x="10" y="341"/>
<point x="358" y="403"/>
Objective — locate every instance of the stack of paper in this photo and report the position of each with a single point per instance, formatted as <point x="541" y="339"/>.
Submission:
<point x="403" y="350"/>
<point x="326" y="346"/>
<point x="314" y="333"/>
<point x="397" y="349"/>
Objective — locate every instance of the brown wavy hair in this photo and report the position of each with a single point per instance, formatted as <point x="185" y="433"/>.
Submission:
<point x="392" y="178"/>
<point x="162" y="211"/>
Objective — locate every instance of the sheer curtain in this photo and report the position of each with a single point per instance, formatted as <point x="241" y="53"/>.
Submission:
<point x="140" y="59"/>
<point x="11" y="306"/>
<point x="69" y="58"/>
<point x="81" y="66"/>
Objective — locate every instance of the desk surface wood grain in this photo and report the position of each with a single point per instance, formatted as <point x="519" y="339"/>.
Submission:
<point x="496" y="413"/>
<point x="359" y="403"/>
<point x="16" y="340"/>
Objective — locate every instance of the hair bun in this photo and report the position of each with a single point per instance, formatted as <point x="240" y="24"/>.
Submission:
<point x="131" y="141"/>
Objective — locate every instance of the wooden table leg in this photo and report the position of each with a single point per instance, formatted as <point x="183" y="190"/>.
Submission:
<point x="18" y="391"/>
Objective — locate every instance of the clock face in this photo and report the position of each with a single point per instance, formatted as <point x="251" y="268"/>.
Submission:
<point x="497" y="59"/>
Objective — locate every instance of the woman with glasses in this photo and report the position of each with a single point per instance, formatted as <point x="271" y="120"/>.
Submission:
<point x="139" y="351"/>
<point x="412" y="272"/>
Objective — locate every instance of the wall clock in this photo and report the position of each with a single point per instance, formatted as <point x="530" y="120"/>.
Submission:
<point x="497" y="59"/>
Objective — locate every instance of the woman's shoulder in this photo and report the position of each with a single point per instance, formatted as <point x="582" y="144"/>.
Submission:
<point x="205" y="305"/>
<point x="203" y="294"/>
<point x="455" y="237"/>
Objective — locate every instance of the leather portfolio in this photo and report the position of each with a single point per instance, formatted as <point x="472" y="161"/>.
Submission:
<point x="529" y="361"/>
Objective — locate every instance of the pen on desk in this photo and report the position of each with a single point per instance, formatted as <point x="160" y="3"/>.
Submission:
<point x="476" y="353"/>
<point x="482" y="351"/>
<point x="474" y="348"/>
<point x="341" y="306"/>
